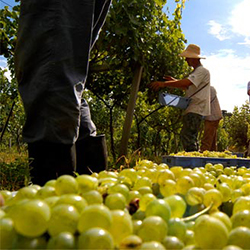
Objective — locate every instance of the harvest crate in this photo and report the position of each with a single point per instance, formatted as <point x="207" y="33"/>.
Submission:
<point x="192" y="162"/>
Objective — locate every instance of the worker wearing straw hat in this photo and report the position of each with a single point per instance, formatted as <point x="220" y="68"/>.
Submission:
<point x="197" y="85"/>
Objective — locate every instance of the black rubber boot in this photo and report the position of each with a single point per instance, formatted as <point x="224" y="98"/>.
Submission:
<point x="91" y="155"/>
<point x="50" y="160"/>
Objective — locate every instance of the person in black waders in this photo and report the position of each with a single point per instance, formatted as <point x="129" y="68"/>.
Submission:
<point x="54" y="41"/>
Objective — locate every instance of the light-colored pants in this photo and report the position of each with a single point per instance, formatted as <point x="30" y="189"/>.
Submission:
<point x="209" y="139"/>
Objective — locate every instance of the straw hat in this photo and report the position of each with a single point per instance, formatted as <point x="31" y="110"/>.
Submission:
<point x="192" y="51"/>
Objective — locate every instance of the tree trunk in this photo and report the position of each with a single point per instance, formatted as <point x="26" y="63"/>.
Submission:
<point x="130" y="111"/>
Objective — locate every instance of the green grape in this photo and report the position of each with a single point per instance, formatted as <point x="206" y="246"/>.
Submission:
<point x="153" y="228"/>
<point x="105" y="174"/>
<point x="130" y="173"/>
<point x="142" y="182"/>
<point x="63" y="240"/>
<point x="238" y="182"/>
<point x="45" y="192"/>
<point x="95" y="238"/>
<point x="125" y="180"/>
<point x="176" y="171"/>
<point x="122" y="225"/>
<point x="168" y="187"/>
<point x="162" y="166"/>
<point x="223" y="217"/>
<point x="231" y="247"/>
<point x="198" y="182"/>
<point x="190" y="225"/>
<point x="242" y="203"/>
<point x="50" y="183"/>
<point x="225" y="191"/>
<point x="51" y="201"/>
<point x="183" y="184"/>
<point x="26" y="193"/>
<point x="209" y="178"/>
<point x="241" y="170"/>
<point x="245" y="188"/>
<point x="35" y="186"/>
<point x="228" y="171"/>
<point x="64" y="218"/>
<point x="209" y="167"/>
<point x="208" y="186"/>
<point x="66" y="184"/>
<point x="165" y="175"/>
<point x="177" y="228"/>
<point x="241" y="218"/>
<point x="189" y="238"/>
<point x="139" y="215"/>
<point x="74" y="200"/>
<point x="236" y="193"/>
<point x="31" y="217"/>
<point x="131" y="242"/>
<point x="158" y="207"/>
<point x="136" y="225"/>
<point x="146" y="163"/>
<point x="115" y="201"/>
<point x="7" y="233"/>
<point x="210" y="232"/>
<point x="119" y="188"/>
<point x="93" y="197"/>
<point x="172" y="242"/>
<point x="133" y="194"/>
<point x="195" y="196"/>
<point x="152" y="245"/>
<point x="152" y="174"/>
<point x="145" y="199"/>
<point x="96" y="215"/>
<point x="186" y="172"/>
<point x="6" y="194"/>
<point x="239" y="236"/>
<point x="108" y="181"/>
<point x="145" y="190"/>
<point x="219" y="166"/>
<point x="212" y="196"/>
<point x="86" y="183"/>
<point x="94" y="174"/>
<point x="177" y="205"/>
<point x="2" y="213"/>
<point x="201" y="176"/>
<point x="22" y="242"/>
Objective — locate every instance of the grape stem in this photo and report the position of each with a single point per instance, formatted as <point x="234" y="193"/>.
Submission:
<point x="195" y="216"/>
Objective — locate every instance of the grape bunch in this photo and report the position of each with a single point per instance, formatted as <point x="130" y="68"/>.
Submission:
<point x="149" y="206"/>
<point x="206" y="153"/>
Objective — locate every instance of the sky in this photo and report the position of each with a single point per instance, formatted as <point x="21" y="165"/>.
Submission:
<point x="221" y="29"/>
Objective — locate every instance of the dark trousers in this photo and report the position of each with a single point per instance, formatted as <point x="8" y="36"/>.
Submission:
<point x="190" y="130"/>
<point x="54" y="41"/>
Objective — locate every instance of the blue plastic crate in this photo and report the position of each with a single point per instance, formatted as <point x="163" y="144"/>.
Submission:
<point x="193" y="162"/>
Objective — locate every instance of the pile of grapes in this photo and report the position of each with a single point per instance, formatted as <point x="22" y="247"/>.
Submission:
<point x="206" y="153"/>
<point x="150" y="206"/>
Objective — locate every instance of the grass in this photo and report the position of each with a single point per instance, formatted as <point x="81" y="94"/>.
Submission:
<point x="14" y="170"/>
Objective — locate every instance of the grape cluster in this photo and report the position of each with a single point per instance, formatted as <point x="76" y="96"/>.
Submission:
<point x="206" y="153"/>
<point x="149" y="206"/>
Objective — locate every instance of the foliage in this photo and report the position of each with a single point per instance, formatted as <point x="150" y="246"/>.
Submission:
<point x="12" y="113"/>
<point x="237" y="128"/>
<point x="8" y="33"/>
<point x="14" y="170"/>
<point x="137" y="33"/>
<point x="222" y="137"/>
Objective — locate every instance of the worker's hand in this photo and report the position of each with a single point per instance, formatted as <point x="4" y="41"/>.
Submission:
<point x="156" y="85"/>
<point x="169" y="78"/>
